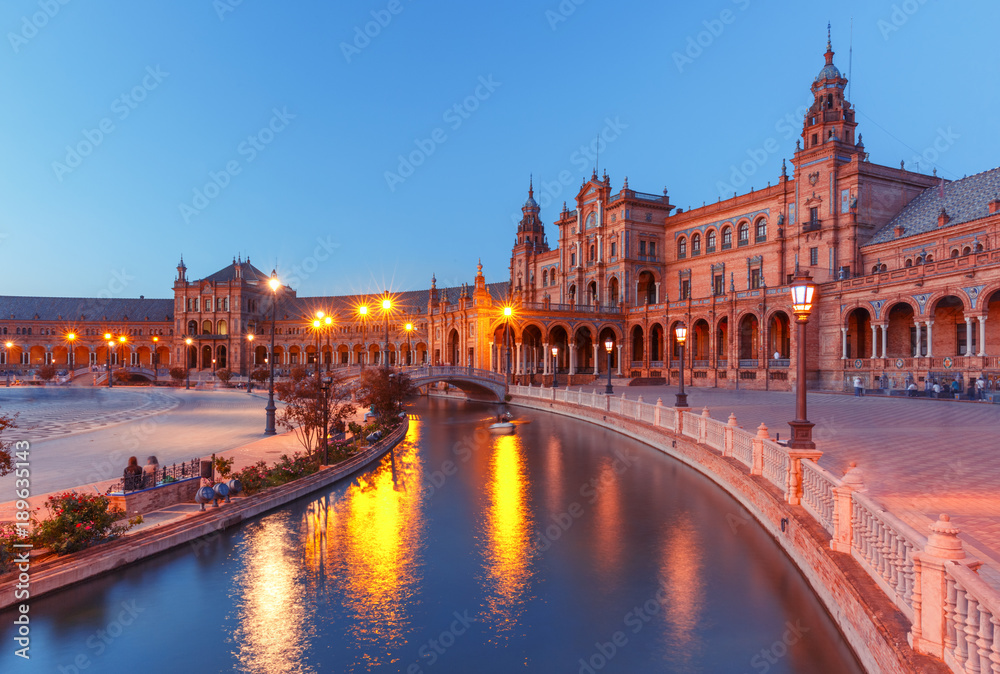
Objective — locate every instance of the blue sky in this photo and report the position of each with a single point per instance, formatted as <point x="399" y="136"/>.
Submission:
<point x="324" y="138"/>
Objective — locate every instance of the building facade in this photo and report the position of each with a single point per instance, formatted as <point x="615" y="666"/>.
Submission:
<point x="908" y="267"/>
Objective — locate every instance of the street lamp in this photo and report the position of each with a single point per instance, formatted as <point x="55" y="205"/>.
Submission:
<point x="555" y="366"/>
<point x="317" y="326"/>
<point x="71" y="337"/>
<point x="363" y="313"/>
<point x="274" y="284"/>
<point x="111" y="345"/>
<point x="8" y="345"/>
<point x="328" y="322"/>
<point x="803" y="290"/>
<point x="680" y="332"/>
<point x="609" y="344"/>
<point x="507" y="313"/>
<point x="155" y="359"/>
<point x="187" y="362"/>
<point x="386" y="308"/>
<point x="409" y="349"/>
<point x="250" y="359"/>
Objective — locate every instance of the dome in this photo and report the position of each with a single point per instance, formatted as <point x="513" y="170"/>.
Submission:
<point x="530" y="203"/>
<point x="829" y="72"/>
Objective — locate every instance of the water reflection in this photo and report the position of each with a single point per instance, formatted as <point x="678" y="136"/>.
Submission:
<point x="373" y="541"/>
<point x="276" y="620"/>
<point x="508" y="534"/>
<point x="682" y="579"/>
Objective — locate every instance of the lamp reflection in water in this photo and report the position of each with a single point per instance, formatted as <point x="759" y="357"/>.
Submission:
<point x="508" y="535"/>
<point x="276" y="612"/>
<point x="682" y="583"/>
<point x="374" y="536"/>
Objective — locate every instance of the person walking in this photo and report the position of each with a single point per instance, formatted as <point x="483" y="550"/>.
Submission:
<point x="981" y="388"/>
<point x="911" y="390"/>
<point x="858" y="387"/>
<point x="936" y="388"/>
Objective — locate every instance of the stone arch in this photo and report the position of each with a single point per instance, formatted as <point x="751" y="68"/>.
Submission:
<point x="206" y="356"/>
<point x="748" y="335"/>
<point x="532" y="349"/>
<point x="900" y="335"/>
<point x="858" y="324"/>
<point x="722" y="339"/>
<point x="779" y="334"/>
<point x="699" y="340"/>
<point x="558" y="337"/>
<point x="605" y="332"/>
<point x="222" y="327"/>
<point x="206" y="327"/>
<point x="453" y="350"/>
<point x="614" y="291"/>
<point x="646" y="288"/>
<point x="636" y="343"/>
<point x="221" y="356"/>
<point x="583" y="338"/>
<point x="655" y="342"/>
<point x="948" y="334"/>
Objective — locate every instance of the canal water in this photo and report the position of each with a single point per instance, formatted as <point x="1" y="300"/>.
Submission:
<point x="562" y="548"/>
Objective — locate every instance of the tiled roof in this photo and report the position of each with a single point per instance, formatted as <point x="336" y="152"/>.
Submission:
<point x="247" y="270"/>
<point x="412" y="302"/>
<point x="964" y="200"/>
<point x="85" y="309"/>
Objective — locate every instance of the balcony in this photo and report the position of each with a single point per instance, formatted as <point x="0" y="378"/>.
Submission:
<point x="647" y="258"/>
<point x="811" y="225"/>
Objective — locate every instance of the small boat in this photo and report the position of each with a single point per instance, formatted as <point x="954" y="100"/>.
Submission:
<point x="504" y="424"/>
<point x="502" y="428"/>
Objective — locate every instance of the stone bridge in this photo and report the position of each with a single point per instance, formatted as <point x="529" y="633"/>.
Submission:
<point x="477" y="384"/>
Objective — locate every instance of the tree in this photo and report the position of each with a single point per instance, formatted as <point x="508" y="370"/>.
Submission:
<point x="384" y="390"/>
<point x="46" y="372"/>
<point x="224" y="374"/>
<point x="260" y="375"/>
<point x="304" y="407"/>
<point x="178" y="374"/>
<point x="7" y="422"/>
<point x="298" y="373"/>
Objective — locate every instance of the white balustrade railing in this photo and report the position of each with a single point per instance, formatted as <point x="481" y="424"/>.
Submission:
<point x="776" y="465"/>
<point x="884" y="545"/>
<point x="668" y="418"/>
<point x="716" y="434"/>
<point x="743" y="446"/>
<point x="691" y="425"/>
<point x="817" y="493"/>
<point x="615" y="405"/>
<point x="647" y="412"/>
<point x="972" y="622"/>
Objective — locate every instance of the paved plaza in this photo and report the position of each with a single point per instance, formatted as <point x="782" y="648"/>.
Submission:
<point x="920" y="457"/>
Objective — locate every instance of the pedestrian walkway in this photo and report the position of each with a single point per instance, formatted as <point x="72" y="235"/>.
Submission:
<point x="920" y="457"/>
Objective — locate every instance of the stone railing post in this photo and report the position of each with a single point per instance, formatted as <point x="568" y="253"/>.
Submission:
<point x="843" y="511"/>
<point x="703" y="426"/>
<point x="638" y="408"/>
<point x="757" y="465"/>
<point x="728" y="447"/>
<point x="678" y="421"/>
<point x="658" y="411"/>
<point x="607" y="403"/>
<point x="930" y="593"/>
<point x="793" y="481"/>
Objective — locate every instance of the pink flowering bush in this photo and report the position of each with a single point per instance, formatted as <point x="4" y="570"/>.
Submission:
<point x="78" y="521"/>
<point x="9" y="536"/>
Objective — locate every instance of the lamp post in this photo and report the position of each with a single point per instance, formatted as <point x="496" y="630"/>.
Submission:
<point x="555" y="367"/>
<point x="187" y="362"/>
<point x="317" y="326"/>
<point x="409" y="348"/>
<point x="111" y="345"/>
<point x="71" y="337"/>
<point x="386" y="308"/>
<point x="609" y="344"/>
<point x="274" y="283"/>
<point x="155" y="358"/>
<point x="803" y="290"/>
<point x="325" y="388"/>
<point x="363" y="313"/>
<point x="250" y="359"/>
<point x="507" y="313"/>
<point x="328" y="323"/>
<point x="7" y="360"/>
<point x="680" y="332"/>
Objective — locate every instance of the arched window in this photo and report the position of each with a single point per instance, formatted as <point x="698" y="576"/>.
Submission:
<point x="222" y="328"/>
<point x="760" y="233"/>
<point x="192" y="327"/>
<point x="743" y="235"/>
<point x="954" y="253"/>
<point x="206" y="328"/>
<point x="682" y="248"/>
<point x="592" y="249"/>
<point x="545" y="277"/>
<point x="908" y="263"/>
<point x="696" y="244"/>
<point x="727" y="237"/>
<point x="966" y="251"/>
<point x="710" y="241"/>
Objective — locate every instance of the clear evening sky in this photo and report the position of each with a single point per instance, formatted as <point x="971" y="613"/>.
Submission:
<point x="367" y="144"/>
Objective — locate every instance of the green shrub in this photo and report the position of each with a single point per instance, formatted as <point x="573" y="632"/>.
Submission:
<point x="79" y="521"/>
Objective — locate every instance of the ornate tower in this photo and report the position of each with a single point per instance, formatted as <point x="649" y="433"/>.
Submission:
<point x="530" y="231"/>
<point x="830" y="118"/>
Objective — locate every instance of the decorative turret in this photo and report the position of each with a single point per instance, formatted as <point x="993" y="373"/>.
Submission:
<point x="831" y="117"/>
<point x="432" y="298"/>
<point x="530" y="231"/>
<point x="181" y="270"/>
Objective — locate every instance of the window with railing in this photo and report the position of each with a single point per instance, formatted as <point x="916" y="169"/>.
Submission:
<point x="760" y="233"/>
<point x="710" y="241"/>
<point x="727" y="238"/>
<point x="743" y="237"/>
<point x="682" y="248"/>
<point x="696" y="245"/>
